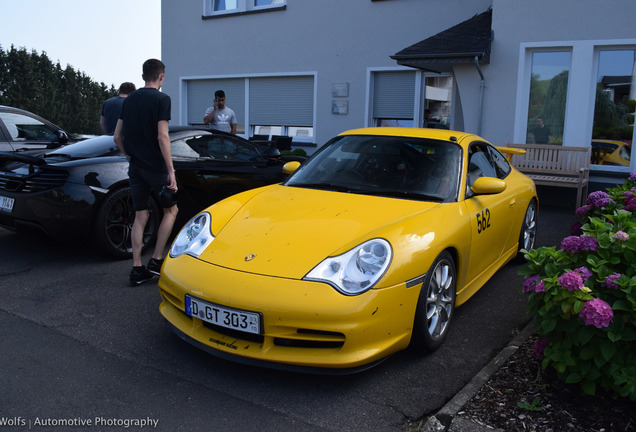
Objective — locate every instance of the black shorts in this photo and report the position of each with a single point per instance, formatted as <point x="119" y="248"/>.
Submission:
<point x="144" y="184"/>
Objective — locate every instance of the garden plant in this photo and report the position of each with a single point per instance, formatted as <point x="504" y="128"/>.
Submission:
<point x="582" y="295"/>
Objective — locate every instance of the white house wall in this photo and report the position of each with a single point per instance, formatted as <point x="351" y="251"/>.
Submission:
<point x="344" y="41"/>
<point x="520" y="25"/>
<point x="337" y="40"/>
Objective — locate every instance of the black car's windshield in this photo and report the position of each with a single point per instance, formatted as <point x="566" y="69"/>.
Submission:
<point x="95" y="147"/>
<point x="402" y="167"/>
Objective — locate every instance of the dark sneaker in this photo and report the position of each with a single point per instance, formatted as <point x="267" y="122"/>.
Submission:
<point x="154" y="265"/>
<point x="139" y="275"/>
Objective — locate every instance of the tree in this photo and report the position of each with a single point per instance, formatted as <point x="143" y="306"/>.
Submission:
<point x="66" y="97"/>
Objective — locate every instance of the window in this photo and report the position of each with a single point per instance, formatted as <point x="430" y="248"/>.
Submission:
<point x="485" y="161"/>
<point x="272" y="105"/>
<point x="411" y="99"/>
<point x="438" y="101"/>
<point x="24" y="128"/>
<point x="394" y="98"/>
<point x="613" y="126"/>
<point x="224" y="7"/>
<point x="548" y="97"/>
<point x="282" y="105"/>
<point x="200" y="96"/>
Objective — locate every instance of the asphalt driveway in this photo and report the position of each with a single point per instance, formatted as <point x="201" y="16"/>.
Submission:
<point x="81" y="350"/>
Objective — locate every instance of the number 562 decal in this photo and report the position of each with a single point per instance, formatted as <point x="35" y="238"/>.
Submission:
<point x="483" y="220"/>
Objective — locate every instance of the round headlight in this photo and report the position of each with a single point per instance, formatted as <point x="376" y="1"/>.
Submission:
<point x="194" y="237"/>
<point x="357" y="270"/>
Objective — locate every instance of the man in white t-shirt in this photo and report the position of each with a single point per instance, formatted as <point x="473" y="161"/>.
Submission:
<point x="219" y="116"/>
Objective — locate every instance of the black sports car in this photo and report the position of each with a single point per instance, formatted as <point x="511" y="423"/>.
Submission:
<point x="80" y="191"/>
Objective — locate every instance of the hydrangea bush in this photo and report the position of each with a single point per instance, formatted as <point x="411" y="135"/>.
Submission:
<point x="582" y="295"/>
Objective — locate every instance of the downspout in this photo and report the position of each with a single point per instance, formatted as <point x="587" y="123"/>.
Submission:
<point x="481" y="96"/>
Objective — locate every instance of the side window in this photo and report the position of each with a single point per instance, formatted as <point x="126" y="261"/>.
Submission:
<point x="245" y="152"/>
<point x="24" y="128"/>
<point x="479" y="163"/>
<point x="501" y="164"/>
<point x="182" y="148"/>
<point x="228" y="149"/>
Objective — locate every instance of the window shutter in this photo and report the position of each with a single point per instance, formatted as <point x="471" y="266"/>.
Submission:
<point x="286" y="101"/>
<point x="393" y="95"/>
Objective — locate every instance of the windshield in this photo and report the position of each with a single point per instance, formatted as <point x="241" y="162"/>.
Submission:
<point x="95" y="147"/>
<point x="414" y="168"/>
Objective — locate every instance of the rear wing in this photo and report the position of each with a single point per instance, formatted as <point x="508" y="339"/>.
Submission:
<point x="511" y="151"/>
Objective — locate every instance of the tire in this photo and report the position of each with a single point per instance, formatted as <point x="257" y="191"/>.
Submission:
<point x="114" y="220"/>
<point x="435" y="305"/>
<point x="528" y="232"/>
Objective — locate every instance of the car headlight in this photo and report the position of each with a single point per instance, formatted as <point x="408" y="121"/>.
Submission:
<point x="356" y="271"/>
<point x="194" y="237"/>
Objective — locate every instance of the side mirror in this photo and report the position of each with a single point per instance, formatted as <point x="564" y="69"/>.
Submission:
<point x="62" y="138"/>
<point x="488" y="186"/>
<point x="290" y="167"/>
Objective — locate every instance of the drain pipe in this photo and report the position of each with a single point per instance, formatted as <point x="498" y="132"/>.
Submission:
<point x="481" y="96"/>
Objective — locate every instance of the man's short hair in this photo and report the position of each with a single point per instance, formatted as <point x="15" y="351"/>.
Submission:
<point x="152" y="68"/>
<point x="127" y="88"/>
<point x="219" y="94"/>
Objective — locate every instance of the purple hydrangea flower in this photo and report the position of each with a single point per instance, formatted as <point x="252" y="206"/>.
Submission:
<point x="530" y="283"/>
<point x="582" y="211"/>
<point x="621" y="236"/>
<point x="574" y="244"/>
<point x="632" y="176"/>
<point x="598" y="199"/>
<point x="570" y="244"/>
<point x="588" y="243"/>
<point x="597" y="312"/>
<point x="630" y="199"/>
<point x="610" y="281"/>
<point x="539" y="346"/>
<point x="571" y="281"/>
<point x="540" y="287"/>
<point x="584" y="272"/>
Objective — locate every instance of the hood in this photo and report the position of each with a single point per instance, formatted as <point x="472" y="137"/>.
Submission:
<point x="286" y="231"/>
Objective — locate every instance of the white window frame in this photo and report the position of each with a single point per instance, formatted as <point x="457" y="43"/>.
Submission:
<point x="243" y="6"/>
<point x="579" y="110"/>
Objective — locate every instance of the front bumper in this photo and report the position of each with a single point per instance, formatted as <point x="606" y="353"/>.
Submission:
<point x="305" y="324"/>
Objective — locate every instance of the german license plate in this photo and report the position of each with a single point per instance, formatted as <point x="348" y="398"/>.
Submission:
<point x="6" y="203"/>
<point x="223" y="316"/>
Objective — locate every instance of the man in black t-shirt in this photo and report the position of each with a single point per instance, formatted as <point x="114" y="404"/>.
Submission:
<point x="142" y="134"/>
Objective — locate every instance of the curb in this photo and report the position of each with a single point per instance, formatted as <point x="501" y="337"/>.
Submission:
<point x="444" y="419"/>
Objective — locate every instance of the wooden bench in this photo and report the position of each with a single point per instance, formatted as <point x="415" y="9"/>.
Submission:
<point x="555" y="165"/>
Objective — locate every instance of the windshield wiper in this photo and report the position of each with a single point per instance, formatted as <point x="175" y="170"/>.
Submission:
<point x="323" y="186"/>
<point x="401" y="194"/>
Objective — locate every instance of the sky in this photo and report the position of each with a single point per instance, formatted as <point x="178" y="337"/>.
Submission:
<point x="106" y="40"/>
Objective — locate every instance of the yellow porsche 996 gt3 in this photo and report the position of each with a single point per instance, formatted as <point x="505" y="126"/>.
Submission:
<point x="365" y="250"/>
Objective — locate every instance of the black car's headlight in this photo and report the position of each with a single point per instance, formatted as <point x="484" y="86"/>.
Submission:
<point x="357" y="270"/>
<point x="194" y="237"/>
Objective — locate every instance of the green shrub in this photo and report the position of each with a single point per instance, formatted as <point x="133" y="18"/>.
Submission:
<point x="583" y="295"/>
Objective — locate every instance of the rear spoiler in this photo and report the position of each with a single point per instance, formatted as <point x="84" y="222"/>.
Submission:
<point x="510" y="151"/>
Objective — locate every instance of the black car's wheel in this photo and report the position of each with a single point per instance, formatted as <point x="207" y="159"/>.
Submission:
<point x="436" y="305"/>
<point x="528" y="231"/>
<point x="114" y="220"/>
